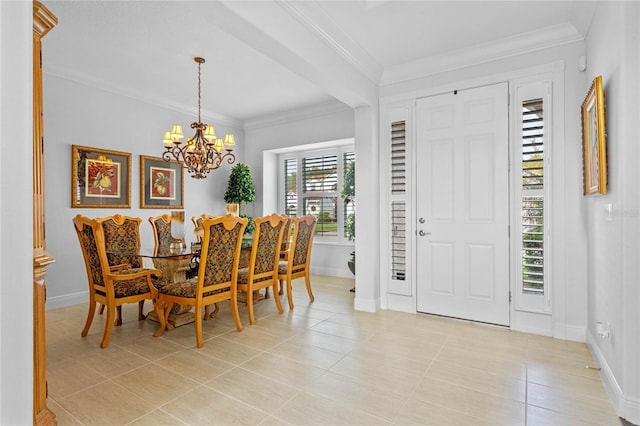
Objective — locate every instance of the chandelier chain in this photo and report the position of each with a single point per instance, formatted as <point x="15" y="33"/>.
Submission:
<point x="199" y="83"/>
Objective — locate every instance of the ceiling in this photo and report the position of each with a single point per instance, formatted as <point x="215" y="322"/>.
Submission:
<point x="265" y="57"/>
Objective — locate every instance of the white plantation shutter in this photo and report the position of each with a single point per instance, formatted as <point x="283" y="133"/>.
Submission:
<point x="312" y="183"/>
<point x="533" y="195"/>
<point x="398" y="213"/>
<point x="320" y="192"/>
<point x="398" y="158"/>
<point x="291" y="186"/>
<point x="532" y="173"/>
<point x="398" y="240"/>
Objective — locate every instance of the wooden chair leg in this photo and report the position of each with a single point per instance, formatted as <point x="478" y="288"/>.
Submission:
<point x="118" y="316"/>
<point x="141" y="314"/>
<point x="167" y="311"/>
<point x="159" y="308"/>
<point x="198" y="321"/>
<point x="101" y="309"/>
<point x="235" y="312"/>
<point x="307" y="281"/>
<point x="215" y="311"/>
<point x="252" y="318"/>
<point x="108" y="326"/>
<point x="277" y="298"/>
<point x="289" y="295"/>
<point x="90" y="314"/>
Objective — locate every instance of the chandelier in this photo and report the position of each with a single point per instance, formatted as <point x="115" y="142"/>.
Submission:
<point x="202" y="152"/>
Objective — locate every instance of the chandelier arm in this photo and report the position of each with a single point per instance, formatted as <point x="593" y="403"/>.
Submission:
<point x="231" y="158"/>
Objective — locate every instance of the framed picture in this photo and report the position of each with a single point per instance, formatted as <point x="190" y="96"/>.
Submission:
<point x="594" y="146"/>
<point x="161" y="183"/>
<point x="100" y="177"/>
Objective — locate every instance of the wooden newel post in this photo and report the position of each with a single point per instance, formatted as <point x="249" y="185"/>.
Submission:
<point x="43" y="22"/>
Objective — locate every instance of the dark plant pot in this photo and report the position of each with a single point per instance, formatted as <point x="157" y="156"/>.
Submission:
<point x="352" y="263"/>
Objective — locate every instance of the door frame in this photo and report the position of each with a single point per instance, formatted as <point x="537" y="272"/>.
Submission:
<point x="404" y="104"/>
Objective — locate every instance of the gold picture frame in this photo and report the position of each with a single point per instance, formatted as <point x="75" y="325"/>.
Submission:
<point x="161" y="183"/>
<point x="100" y="178"/>
<point x="594" y="145"/>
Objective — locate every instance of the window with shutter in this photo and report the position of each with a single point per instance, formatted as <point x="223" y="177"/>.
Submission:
<point x="320" y="192"/>
<point x="398" y="187"/>
<point x="313" y="183"/>
<point x="291" y="186"/>
<point x="532" y="199"/>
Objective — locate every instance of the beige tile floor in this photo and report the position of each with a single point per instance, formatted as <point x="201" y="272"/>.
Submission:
<point x="322" y="363"/>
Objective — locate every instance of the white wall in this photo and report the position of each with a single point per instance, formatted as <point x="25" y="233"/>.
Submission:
<point x="76" y="114"/>
<point x="613" y="51"/>
<point x="326" y="123"/>
<point x="16" y="212"/>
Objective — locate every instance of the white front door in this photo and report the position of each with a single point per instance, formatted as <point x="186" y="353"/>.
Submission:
<point x="463" y="204"/>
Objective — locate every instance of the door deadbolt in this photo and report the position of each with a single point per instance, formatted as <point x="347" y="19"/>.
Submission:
<point x="421" y="220"/>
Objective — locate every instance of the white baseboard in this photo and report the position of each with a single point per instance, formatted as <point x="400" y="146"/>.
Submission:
<point x="631" y="411"/>
<point x="575" y="333"/>
<point x="366" y="305"/>
<point x="67" y="300"/>
<point x="401" y="303"/>
<point x="332" y="272"/>
<point x="527" y="328"/>
<point x="626" y="407"/>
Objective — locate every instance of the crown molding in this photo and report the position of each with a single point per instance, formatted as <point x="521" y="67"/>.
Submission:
<point x="313" y="111"/>
<point x="56" y="70"/>
<point x="544" y="38"/>
<point x="317" y="21"/>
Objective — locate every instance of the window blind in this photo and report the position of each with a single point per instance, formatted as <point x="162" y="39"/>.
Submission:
<point x="532" y="195"/>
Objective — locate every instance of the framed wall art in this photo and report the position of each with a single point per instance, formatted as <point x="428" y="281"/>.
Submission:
<point x="100" y="177"/>
<point x="161" y="183"/>
<point x="594" y="145"/>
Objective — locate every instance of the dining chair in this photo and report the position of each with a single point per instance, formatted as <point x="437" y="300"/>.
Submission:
<point x="161" y="226"/>
<point x="111" y="287"/>
<point x="197" y="225"/>
<point x="262" y="271"/>
<point x="199" y="232"/>
<point x="217" y="277"/>
<point x="284" y="249"/>
<point x="122" y="243"/>
<point x="298" y="259"/>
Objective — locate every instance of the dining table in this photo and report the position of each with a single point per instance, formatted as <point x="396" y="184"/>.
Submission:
<point x="179" y="262"/>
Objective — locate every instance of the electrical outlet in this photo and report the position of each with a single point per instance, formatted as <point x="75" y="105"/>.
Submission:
<point x="603" y="330"/>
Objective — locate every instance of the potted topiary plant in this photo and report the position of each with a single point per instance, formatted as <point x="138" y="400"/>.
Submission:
<point x="240" y="189"/>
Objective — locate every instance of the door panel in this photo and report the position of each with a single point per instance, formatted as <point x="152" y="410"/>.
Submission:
<point x="462" y="246"/>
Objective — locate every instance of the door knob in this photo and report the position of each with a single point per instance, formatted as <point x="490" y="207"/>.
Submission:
<point x="422" y="233"/>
